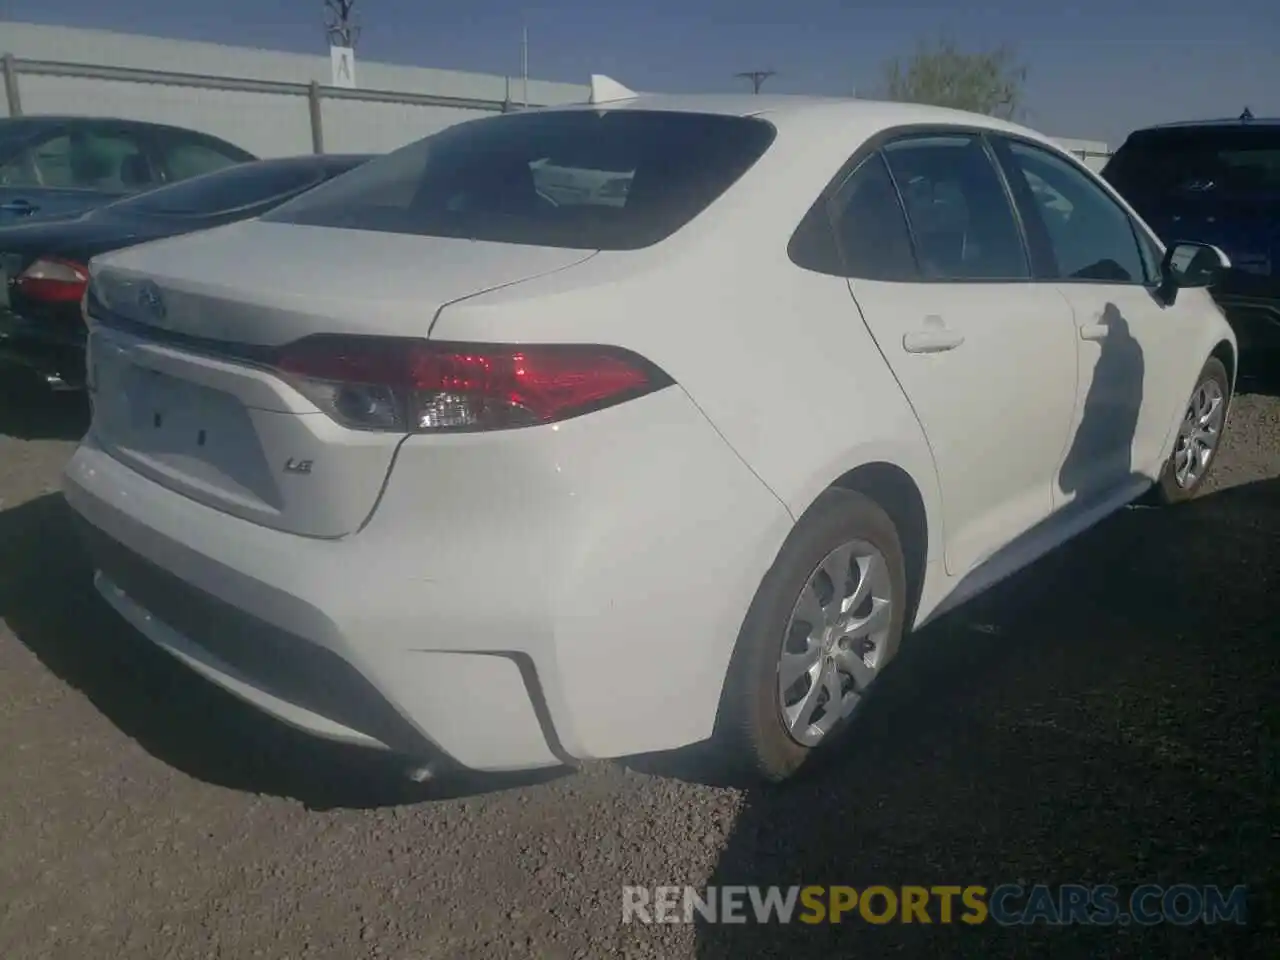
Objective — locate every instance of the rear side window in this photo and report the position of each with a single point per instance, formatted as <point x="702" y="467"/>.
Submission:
<point x="190" y="158"/>
<point x="584" y="179"/>
<point x="870" y="227"/>
<point x="1235" y="161"/>
<point x="958" y="209"/>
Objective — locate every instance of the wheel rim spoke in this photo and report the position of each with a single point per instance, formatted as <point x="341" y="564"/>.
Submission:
<point x="853" y="664"/>
<point x="796" y="665"/>
<point x="877" y="620"/>
<point x="838" y="567"/>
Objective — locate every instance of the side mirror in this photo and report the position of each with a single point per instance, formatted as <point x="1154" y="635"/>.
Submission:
<point x="1188" y="264"/>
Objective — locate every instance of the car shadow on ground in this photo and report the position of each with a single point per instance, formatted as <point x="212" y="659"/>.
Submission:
<point x="48" y="601"/>
<point x="30" y="411"/>
<point x="1262" y="384"/>
<point x="1109" y="715"/>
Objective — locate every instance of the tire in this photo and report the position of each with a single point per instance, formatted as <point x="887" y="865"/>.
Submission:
<point x="1169" y="489"/>
<point x="755" y="742"/>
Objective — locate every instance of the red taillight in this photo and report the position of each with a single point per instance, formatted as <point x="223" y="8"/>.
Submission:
<point x="54" y="279"/>
<point x="376" y="383"/>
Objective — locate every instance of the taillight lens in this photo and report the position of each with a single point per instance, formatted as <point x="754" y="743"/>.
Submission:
<point x="54" y="279"/>
<point x="421" y="386"/>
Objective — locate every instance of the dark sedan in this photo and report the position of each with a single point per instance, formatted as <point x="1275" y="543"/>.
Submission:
<point x="53" y="166"/>
<point x="44" y="266"/>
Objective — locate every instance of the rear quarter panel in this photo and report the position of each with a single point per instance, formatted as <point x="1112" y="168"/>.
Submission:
<point x="776" y="357"/>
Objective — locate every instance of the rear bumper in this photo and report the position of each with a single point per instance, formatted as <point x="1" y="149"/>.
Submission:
<point x="516" y="601"/>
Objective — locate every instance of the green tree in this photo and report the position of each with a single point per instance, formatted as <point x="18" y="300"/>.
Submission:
<point x="942" y="74"/>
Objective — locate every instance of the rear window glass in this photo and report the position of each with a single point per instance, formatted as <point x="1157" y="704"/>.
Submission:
<point x="230" y="188"/>
<point x="584" y="179"/>
<point x="1232" y="160"/>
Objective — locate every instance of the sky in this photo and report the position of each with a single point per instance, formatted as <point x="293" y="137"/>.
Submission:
<point x="1096" y="68"/>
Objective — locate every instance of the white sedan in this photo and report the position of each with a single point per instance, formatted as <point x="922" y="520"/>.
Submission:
<point x="430" y="461"/>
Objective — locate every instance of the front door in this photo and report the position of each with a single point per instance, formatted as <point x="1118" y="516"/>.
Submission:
<point x="1133" y="362"/>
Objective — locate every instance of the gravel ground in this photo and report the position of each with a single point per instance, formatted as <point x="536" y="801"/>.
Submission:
<point x="1107" y="716"/>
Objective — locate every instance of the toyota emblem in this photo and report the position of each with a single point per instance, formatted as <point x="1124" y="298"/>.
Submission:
<point x="151" y="301"/>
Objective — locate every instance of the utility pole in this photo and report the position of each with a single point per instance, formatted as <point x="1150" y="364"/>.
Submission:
<point x="524" y="65"/>
<point x="340" y="23"/>
<point x="757" y="77"/>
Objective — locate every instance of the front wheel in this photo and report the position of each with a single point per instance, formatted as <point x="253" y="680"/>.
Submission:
<point x="1199" y="437"/>
<point x="824" y="623"/>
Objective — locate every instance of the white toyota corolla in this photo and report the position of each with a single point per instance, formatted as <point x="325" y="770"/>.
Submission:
<point x="442" y="459"/>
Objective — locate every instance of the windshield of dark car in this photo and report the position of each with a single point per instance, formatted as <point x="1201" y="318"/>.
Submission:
<point x="222" y="191"/>
<point x="1235" y="160"/>
<point x="582" y="179"/>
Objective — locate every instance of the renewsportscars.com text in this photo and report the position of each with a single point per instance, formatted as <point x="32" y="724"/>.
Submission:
<point x="1006" y="904"/>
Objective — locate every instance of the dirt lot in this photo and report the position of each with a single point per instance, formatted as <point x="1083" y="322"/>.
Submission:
<point x="1108" y="716"/>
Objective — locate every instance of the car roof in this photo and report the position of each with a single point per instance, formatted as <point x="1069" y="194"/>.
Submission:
<point x="785" y="109"/>
<point x="53" y="119"/>
<point x="36" y="122"/>
<point x="1223" y="122"/>
<point x="785" y="104"/>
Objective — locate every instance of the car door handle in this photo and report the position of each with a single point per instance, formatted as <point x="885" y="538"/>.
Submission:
<point x="18" y="206"/>
<point x="931" y="341"/>
<point x="1094" y="331"/>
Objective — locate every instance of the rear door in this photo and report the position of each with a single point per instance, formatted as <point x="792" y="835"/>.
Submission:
<point x="985" y="356"/>
<point x="1135" y="365"/>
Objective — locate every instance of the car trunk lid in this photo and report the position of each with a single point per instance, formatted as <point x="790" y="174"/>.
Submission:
<point x="185" y="334"/>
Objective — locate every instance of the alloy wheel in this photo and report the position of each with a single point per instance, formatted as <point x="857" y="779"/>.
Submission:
<point x="1199" y="434"/>
<point x="835" y="641"/>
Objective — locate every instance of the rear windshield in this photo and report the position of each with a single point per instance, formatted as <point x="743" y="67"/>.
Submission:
<point x="580" y="179"/>
<point x="1227" y="160"/>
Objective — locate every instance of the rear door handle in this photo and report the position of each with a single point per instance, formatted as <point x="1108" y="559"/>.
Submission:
<point x="19" y="206"/>
<point x="1094" y="331"/>
<point x="934" y="339"/>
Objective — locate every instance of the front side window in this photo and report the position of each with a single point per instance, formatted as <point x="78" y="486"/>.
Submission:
<point x="1091" y="236"/>
<point x="583" y="179"/>
<point x="86" y="159"/>
<point x="957" y="208"/>
<point x="46" y="163"/>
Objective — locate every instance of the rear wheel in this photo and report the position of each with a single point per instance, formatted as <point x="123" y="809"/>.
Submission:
<point x="824" y="623"/>
<point x="1199" y="437"/>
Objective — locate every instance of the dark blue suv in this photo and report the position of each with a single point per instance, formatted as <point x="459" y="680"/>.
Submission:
<point x="1217" y="182"/>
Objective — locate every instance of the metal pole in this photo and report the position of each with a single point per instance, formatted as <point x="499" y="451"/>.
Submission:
<point x="524" y="64"/>
<point x="317" y="124"/>
<point x="14" y="99"/>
